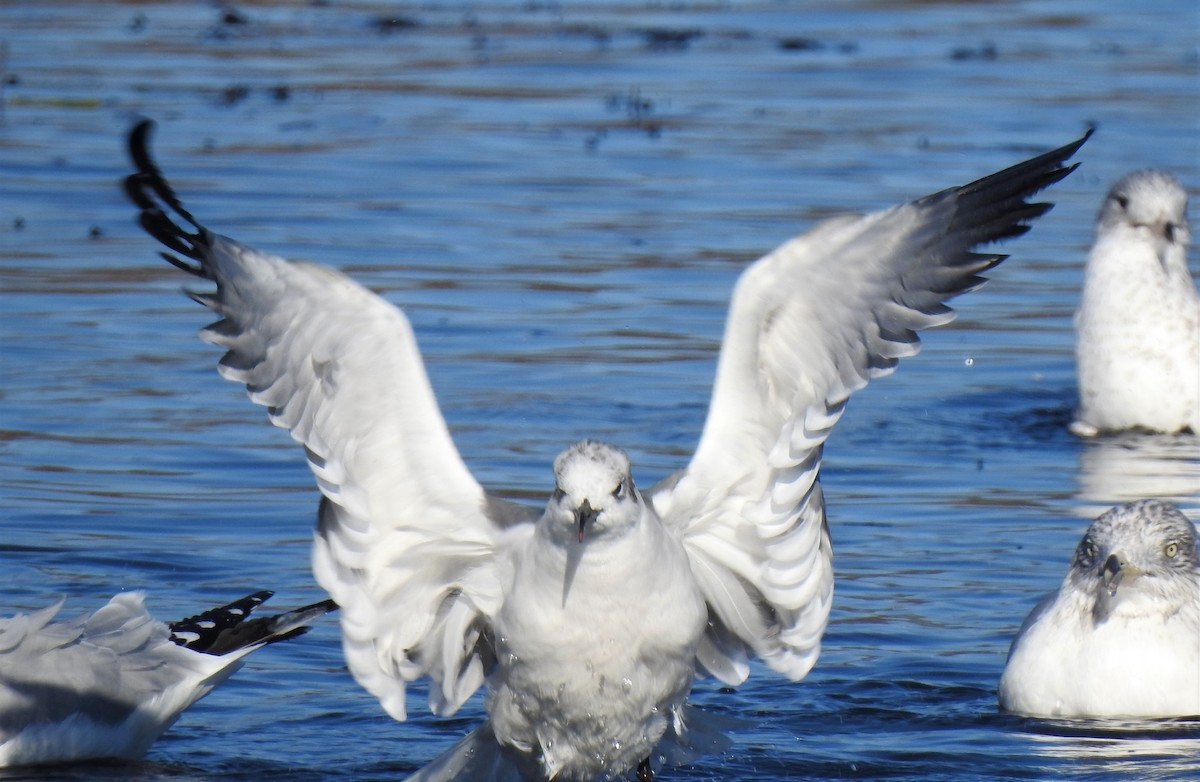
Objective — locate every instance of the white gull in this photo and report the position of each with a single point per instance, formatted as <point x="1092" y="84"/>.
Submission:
<point x="588" y="620"/>
<point x="106" y="685"/>
<point x="1121" y="636"/>
<point x="1137" y="349"/>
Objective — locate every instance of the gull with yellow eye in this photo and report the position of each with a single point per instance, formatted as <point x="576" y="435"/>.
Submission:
<point x="1121" y="636"/>
<point x="1137" y="330"/>
<point x="588" y="619"/>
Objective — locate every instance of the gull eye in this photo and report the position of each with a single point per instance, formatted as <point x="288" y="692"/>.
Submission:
<point x="559" y="494"/>
<point x="1122" y="201"/>
<point x="1085" y="555"/>
<point x="1171" y="549"/>
<point x="619" y="492"/>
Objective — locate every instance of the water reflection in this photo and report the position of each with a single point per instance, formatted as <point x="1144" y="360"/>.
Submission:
<point x="1133" y="466"/>
<point x="1169" y="748"/>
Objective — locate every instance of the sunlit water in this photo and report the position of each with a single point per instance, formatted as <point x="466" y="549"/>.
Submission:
<point x="561" y="196"/>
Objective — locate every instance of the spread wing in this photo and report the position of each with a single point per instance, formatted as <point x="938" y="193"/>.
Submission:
<point x="811" y="323"/>
<point x="406" y="539"/>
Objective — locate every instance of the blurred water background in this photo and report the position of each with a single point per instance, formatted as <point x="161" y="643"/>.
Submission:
<point x="561" y="195"/>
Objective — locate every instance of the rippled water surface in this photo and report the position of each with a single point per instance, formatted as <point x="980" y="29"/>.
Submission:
<point x="561" y="195"/>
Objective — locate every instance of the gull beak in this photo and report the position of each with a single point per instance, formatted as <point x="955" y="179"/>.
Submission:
<point x="585" y="515"/>
<point x="1167" y="230"/>
<point x="1117" y="571"/>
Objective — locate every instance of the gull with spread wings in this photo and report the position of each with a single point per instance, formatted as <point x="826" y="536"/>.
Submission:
<point x="589" y="619"/>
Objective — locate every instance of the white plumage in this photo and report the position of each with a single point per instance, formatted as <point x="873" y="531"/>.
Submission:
<point x="1121" y="636"/>
<point x="1137" y="346"/>
<point x="106" y="685"/>
<point x="587" y="620"/>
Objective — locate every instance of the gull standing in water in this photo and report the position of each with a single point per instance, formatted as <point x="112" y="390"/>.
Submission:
<point x="107" y="685"/>
<point x="1137" y="331"/>
<point x="1121" y="636"/>
<point x="589" y="619"/>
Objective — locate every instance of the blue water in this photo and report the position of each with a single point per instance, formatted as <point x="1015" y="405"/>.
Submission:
<point x="561" y="195"/>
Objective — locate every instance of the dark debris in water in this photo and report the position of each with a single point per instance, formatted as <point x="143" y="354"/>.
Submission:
<point x="670" y="38"/>
<point x="228" y="22"/>
<point x="801" y="44"/>
<point x="230" y="15"/>
<point x="638" y="112"/>
<point x="394" y="24"/>
<point x="235" y="94"/>
<point x="984" y="52"/>
<point x="632" y="104"/>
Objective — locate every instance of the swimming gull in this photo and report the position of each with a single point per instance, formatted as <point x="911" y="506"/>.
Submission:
<point x="1121" y="636"/>
<point x="107" y="685"/>
<point x="1137" y="347"/>
<point x="588" y="620"/>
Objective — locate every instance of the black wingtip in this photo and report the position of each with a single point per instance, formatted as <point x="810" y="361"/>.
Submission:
<point x="1065" y="152"/>
<point x="162" y="216"/>
<point x="1035" y="174"/>
<point x="228" y="628"/>
<point x="202" y="631"/>
<point x="1074" y="146"/>
<point x="999" y="206"/>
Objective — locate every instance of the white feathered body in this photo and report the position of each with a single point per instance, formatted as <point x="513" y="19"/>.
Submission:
<point x="1140" y="660"/>
<point x="1138" y="324"/>
<point x="595" y="654"/>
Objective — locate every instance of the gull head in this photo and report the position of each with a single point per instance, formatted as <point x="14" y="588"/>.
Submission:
<point x="1136" y="556"/>
<point x="1151" y="203"/>
<point x="594" y="493"/>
